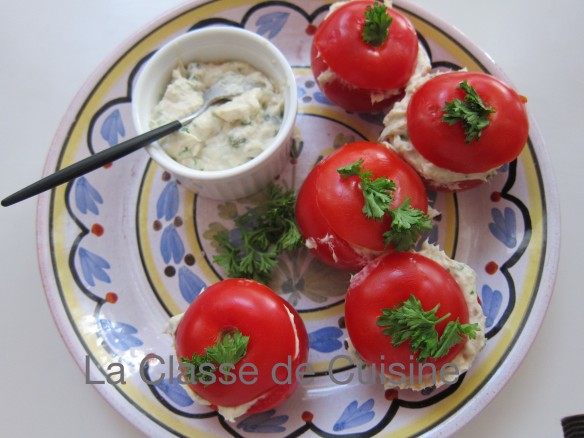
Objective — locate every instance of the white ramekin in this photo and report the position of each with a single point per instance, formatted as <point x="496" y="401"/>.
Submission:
<point x="216" y="44"/>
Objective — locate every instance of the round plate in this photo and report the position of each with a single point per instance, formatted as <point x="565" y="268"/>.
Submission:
<point x="125" y="247"/>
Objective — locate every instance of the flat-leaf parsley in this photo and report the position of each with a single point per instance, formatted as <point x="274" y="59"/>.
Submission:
<point x="407" y="222"/>
<point x="266" y="231"/>
<point x="472" y="112"/>
<point x="410" y="322"/>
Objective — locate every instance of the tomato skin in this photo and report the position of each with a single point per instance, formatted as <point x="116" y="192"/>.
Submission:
<point x="329" y="207"/>
<point x="368" y="69"/>
<point x="386" y="283"/>
<point x="313" y="225"/>
<point x="258" y="312"/>
<point x="347" y="96"/>
<point x="445" y="146"/>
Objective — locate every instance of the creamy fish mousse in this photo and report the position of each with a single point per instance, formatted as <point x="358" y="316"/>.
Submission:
<point x="225" y="135"/>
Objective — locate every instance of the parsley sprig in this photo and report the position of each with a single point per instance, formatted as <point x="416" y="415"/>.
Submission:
<point x="265" y="232"/>
<point x="229" y="350"/>
<point x="410" y="322"/>
<point x="472" y="112"/>
<point x="376" y="26"/>
<point x="407" y="222"/>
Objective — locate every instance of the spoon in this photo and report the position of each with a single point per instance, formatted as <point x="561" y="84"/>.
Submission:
<point x="214" y="94"/>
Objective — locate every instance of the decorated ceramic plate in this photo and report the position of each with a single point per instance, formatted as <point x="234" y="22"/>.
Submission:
<point x="126" y="247"/>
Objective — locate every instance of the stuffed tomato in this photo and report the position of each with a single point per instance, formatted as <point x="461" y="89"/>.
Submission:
<point x="359" y="202"/>
<point x="364" y="53"/>
<point x="415" y="318"/>
<point x="457" y="128"/>
<point x="240" y="345"/>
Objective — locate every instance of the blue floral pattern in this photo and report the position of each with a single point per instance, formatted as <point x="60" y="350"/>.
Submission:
<point x="301" y="91"/>
<point x="270" y="25"/>
<point x="86" y="196"/>
<point x="491" y="302"/>
<point x="174" y="391"/>
<point x="321" y="98"/>
<point x="167" y="205"/>
<point x="93" y="267"/>
<point x="189" y="284"/>
<point x="113" y="128"/>
<point x="171" y="245"/>
<point x="326" y="339"/>
<point x="119" y="335"/>
<point x="355" y="415"/>
<point x="504" y="226"/>
<point x="264" y="422"/>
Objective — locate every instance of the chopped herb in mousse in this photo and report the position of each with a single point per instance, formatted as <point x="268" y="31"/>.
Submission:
<point x="225" y="135"/>
<point x="266" y="231"/>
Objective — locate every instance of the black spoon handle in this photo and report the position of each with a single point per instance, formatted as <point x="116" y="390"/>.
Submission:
<point x="91" y="163"/>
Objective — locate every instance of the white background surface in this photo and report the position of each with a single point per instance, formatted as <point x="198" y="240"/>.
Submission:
<point x="49" y="49"/>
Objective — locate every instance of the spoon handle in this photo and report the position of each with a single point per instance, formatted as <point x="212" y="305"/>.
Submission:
<point x="91" y="163"/>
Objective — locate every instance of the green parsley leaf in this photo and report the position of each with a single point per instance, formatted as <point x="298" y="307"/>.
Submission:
<point x="265" y="232"/>
<point x="406" y="226"/>
<point x="407" y="222"/>
<point x="377" y="193"/>
<point x="291" y="237"/>
<point x="230" y="349"/>
<point x="410" y="322"/>
<point x="452" y="335"/>
<point x="376" y="26"/>
<point x="354" y="169"/>
<point x="472" y="112"/>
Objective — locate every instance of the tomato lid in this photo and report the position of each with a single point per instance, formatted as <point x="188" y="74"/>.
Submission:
<point x="342" y="199"/>
<point x="446" y="145"/>
<point x="386" y="67"/>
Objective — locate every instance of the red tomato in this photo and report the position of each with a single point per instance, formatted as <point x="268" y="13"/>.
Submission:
<point x="329" y="208"/>
<point x="256" y="311"/>
<point x="359" y="68"/>
<point x="445" y="146"/>
<point x="388" y="282"/>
